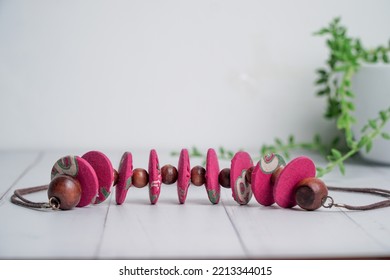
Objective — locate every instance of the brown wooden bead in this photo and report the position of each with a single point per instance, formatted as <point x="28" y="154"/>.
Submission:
<point x="198" y="175"/>
<point x="224" y="178"/>
<point x="169" y="174"/>
<point x="248" y="175"/>
<point x="64" y="191"/>
<point x="310" y="192"/>
<point x="140" y="178"/>
<point x="116" y="178"/>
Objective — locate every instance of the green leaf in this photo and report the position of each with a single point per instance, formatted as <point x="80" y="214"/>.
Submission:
<point x="221" y="151"/>
<point x="317" y="139"/>
<point x="384" y="116"/>
<point x="385" y="58"/>
<point x="341" y="167"/>
<point x="291" y="140"/>
<point x="363" y="141"/>
<point x="278" y="141"/>
<point x="335" y="141"/>
<point x="364" y="129"/>
<point x="372" y="124"/>
<point x="385" y="135"/>
<point x="369" y="146"/>
<point x="230" y="154"/>
<point x="336" y="154"/>
<point x="321" y="81"/>
<point x="351" y="106"/>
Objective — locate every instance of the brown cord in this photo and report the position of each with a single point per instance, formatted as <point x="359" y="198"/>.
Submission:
<point x="18" y="199"/>
<point x="374" y="191"/>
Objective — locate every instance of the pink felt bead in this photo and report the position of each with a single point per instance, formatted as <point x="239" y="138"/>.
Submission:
<point x="262" y="185"/>
<point x="241" y="189"/>
<point x="184" y="175"/>
<point x="154" y="177"/>
<point x="104" y="171"/>
<point x="125" y="171"/>
<point x="81" y="170"/>
<point x="286" y="183"/>
<point x="212" y="171"/>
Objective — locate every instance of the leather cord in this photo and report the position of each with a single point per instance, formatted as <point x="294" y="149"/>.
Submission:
<point x="328" y="202"/>
<point x="18" y="199"/>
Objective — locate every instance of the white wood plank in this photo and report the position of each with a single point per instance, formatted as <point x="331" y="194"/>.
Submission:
<point x="194" y="230"/>
<point x="13" y="166"/>
<point x="29" y="233"/>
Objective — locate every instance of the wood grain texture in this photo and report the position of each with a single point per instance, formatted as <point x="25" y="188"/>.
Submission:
<point x="197" y="229"/>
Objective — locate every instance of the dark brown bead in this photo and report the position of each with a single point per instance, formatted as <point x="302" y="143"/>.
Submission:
<point x="64" y="191"/>
<point x="276" y="174"/>
<point x="310" y="192"/>
<point x="116" y="177"/>
<point x="224" y="178"/>
<point x="140" y="178"/>
<point x="169" y="174"/>
<point x="198" y="175"/>
<point x="248" y="175"/>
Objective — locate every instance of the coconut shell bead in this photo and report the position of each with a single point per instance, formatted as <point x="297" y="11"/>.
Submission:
<point x="310" y="193"/>
<point x="169" y="174"/>
<point x="198" y="174"/>
<point x="140" y="177"/>
<point x="64" y="191"/>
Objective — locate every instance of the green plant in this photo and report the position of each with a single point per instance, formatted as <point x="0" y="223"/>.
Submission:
<point x="346" y="54"/>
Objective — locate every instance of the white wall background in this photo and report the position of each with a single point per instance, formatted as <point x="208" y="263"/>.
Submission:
<point x="167" y="74"/>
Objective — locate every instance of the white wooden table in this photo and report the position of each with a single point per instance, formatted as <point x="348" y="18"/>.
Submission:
<point x="138" y="230"/>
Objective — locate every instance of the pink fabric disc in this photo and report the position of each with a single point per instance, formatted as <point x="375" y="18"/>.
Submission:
<point x="241" y="190"/>
<point x="154" y="177"/>
<point x="184" y="176"/>
<point x="104" y="172"/>
<point x="285" y="185"/>
<point x="125" y="172"/>
<point x="80" y="169"/>
<point x="212" y="170"/>
<point x="262" y="187"/>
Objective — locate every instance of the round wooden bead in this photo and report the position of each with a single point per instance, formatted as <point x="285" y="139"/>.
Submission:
<point x="81" y="170"/>
<point x="116" y="177"/>
<point x="224" y="178"/>
<point x="198" y="174"/>
<point x="286" y="183"/>
<point x="310" y="193"/>
<point x="65" y="190"/>
<point x="140" y="177"/>
<point x="169" y="174"/>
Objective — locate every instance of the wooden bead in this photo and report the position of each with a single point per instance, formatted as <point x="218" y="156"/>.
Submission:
<point x="140" y="178"/>
<point x="64" y="191"/>
<point x="116" y="178"/>
<point x="198" y="175"/>
<point x="248" y="175"/>
<point x="169" y="174"/>
<point x="310" y="193"/>
<point x="224" y="178"/>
